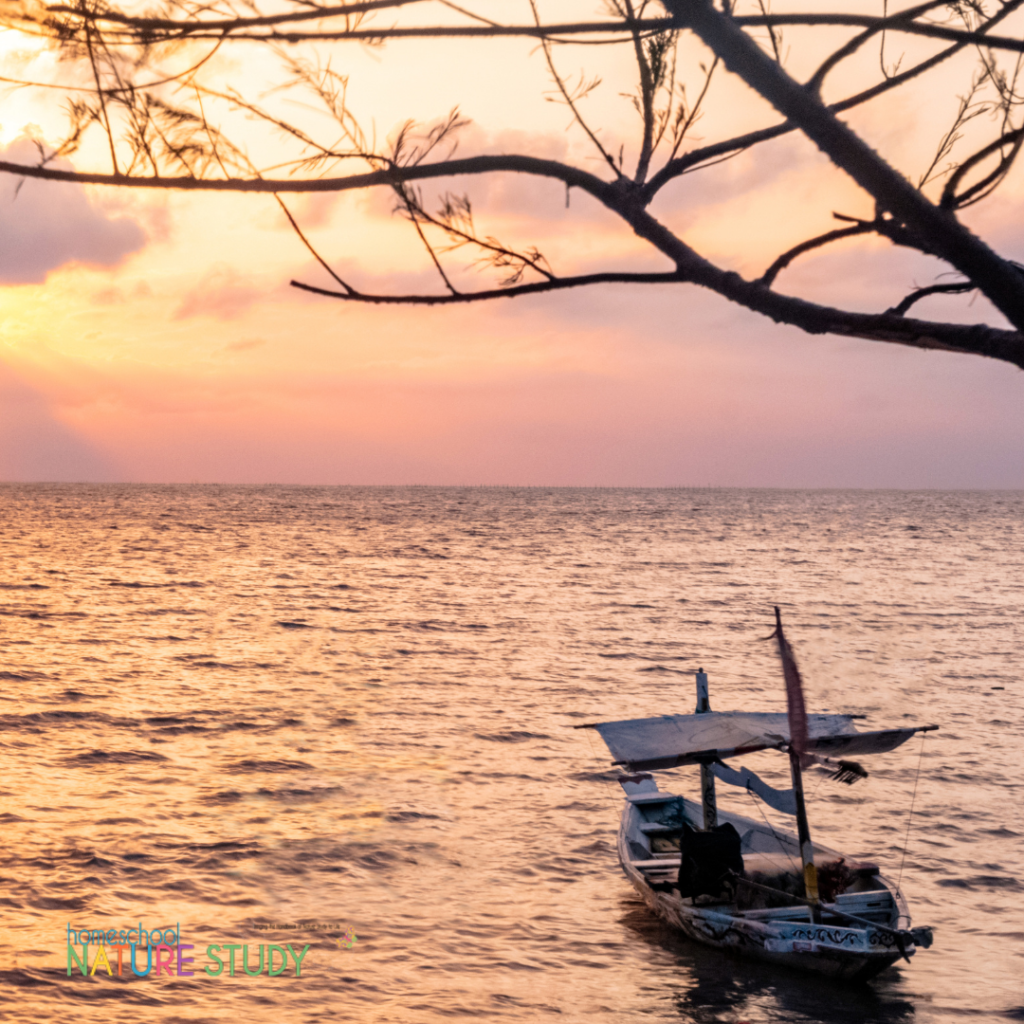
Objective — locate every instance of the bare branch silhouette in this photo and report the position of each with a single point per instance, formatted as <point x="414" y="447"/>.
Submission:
<point x="349" y="290"/>
<point x="922" y="293"/>
<point x="783" y="261"/>
<point x="145" y="85"/>
<point x="571" y="98"/>
<point x="535" y="288"/>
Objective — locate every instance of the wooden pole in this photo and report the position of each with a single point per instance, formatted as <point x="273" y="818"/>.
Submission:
<point x="804" y="834"/>
<point x="707" y="780"/>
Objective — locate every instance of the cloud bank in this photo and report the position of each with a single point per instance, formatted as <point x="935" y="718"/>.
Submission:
<point x="48" y="225"/>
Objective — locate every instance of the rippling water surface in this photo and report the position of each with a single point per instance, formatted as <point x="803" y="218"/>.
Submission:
<point x="243" y="708"/>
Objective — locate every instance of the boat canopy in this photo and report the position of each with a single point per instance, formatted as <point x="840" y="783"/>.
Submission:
<point x="673" y="740"/>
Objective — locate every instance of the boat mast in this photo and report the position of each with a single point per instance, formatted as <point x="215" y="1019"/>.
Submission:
<point x="797" y="712"/>
<point x="707" y="780"/>
<point x="804" y="833"/>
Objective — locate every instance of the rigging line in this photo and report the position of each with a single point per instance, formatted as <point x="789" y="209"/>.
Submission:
<point x="910" y="817"/>
<point x="814" y="793"/>
<point x="595" y="753"/>
<point x="782" y="846"/>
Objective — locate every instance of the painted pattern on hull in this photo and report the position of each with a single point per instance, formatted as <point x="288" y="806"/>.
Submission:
<point x="842" y="953"/>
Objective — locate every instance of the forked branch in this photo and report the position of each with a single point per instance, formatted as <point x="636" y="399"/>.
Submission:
<point x="161" y="126"/>
<point x="889" y="189"/>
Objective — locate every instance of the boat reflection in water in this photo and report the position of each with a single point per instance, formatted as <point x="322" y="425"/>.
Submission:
<point x="708" y="986"/>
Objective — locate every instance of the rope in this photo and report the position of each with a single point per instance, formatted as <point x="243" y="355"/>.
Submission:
<point x="822" y="778"/>
<point x="782" y="846"/>
<point x="910" y="817"/>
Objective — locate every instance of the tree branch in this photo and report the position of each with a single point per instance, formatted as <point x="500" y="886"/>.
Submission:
<point x="768" y="277"/>
<point x="142" y="31"/>
<point x="921" y="293"/>
<point x="890" y="190"/>
<point x="102" y="98"/>
<point x="570" y="101"/>
<point x="572" y="176"/>
<point x="895" y="22"/>
<point x="810" y="317"/>
<point x="681" y="165"/>
<point x="852" y="46"/>
<point x="647" y="90"/>
<point x="902" y="212"/>
<point x="950" y="200"/>
<point x="242" y="29"/>
<point x="557" y="284"/>
<point x="151" y="25"/>
<point x="974" y="339"/>
<point x="776" y="40"/>
<point x="349" y="290"/>
<point x="688" y="161"/>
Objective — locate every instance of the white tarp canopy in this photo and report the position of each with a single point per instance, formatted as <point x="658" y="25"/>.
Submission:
<point x="783" y="800"/>
<point x="673" y="740"/>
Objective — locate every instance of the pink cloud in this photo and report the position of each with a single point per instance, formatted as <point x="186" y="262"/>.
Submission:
<point x="48" y="225"/>
<point x="223" y="294"/>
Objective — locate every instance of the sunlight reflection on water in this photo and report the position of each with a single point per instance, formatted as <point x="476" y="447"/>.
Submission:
<point x="228" y="707"/>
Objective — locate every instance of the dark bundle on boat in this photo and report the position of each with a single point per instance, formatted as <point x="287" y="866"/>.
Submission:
<point x="708" y="860"/>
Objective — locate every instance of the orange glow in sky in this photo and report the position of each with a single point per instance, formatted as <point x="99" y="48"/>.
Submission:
<point x="154" y="336"/>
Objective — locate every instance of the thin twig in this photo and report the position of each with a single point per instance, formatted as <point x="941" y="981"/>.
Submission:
<point x="101" y="93"/>
<point x="349" y="290"/>
<point x="922" y="293"/>
<point x="560" y="84"/>
<point x="768" y="277"/>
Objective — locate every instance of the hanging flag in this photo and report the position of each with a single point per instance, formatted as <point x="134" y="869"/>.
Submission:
<point x="798" y="759"/>
<point x="794" y="691"/>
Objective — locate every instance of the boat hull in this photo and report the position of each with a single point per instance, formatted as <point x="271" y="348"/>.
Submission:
<point x="847" y="953"/>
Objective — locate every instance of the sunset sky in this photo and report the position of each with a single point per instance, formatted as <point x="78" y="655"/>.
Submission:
<point x="152" y="337"/>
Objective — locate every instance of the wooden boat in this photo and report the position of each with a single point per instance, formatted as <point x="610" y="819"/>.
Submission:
<point x="742" y="885"/>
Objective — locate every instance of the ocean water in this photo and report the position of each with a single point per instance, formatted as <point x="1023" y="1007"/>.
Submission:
<point x="342" y="718"/>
